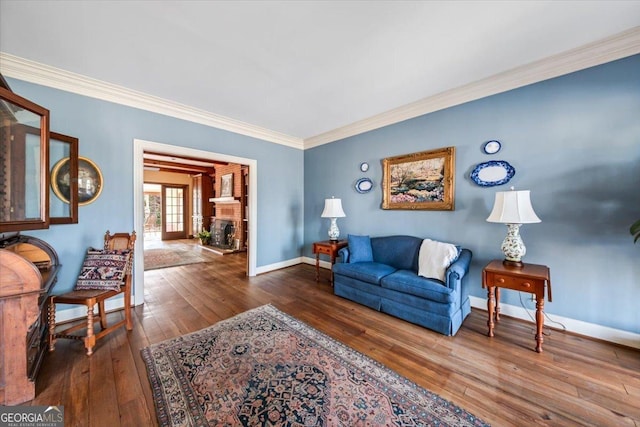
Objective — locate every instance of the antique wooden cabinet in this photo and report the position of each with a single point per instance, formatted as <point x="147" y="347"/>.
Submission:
<point x="29" y="267"/>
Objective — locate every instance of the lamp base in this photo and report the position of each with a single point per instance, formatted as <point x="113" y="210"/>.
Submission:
<point x="334" y="231"/>
<point x="512" y="264"/>
<point x="513" y="247"/>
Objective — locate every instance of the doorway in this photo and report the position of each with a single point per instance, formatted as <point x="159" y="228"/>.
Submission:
<point x="139" y="147"/>
<point x="174" y="218"/>
<point x="165" y="213"/>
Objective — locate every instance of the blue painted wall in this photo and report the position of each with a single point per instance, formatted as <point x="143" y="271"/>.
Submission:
<point x="106" y="132"/>
<point x="574" y="142"/>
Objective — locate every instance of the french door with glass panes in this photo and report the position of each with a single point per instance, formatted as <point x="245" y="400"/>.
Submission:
<point x="174" y="205"/>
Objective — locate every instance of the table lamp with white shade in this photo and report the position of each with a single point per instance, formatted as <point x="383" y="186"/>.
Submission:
<point x="513" y="208"/>
<point x="333" y="210"/>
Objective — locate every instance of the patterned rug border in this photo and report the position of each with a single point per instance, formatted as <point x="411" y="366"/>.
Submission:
<point x="377" y="373"/>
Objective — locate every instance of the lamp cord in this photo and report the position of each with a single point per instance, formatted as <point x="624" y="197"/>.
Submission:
<point x="564" y="328"/>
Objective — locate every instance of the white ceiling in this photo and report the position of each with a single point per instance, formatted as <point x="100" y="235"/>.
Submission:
<point x="301" y="68"/>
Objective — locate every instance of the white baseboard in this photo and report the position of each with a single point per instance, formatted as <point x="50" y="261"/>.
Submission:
<point x="291" y="262"/>
<point x="278" y="265"/>
<point x="312" y="261"/>
<point x="79" y="312"/>
<point x="591" y="330"/>
<point x="605" y="333"/>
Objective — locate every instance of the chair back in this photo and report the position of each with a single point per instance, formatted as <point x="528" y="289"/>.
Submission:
<point x="119" y="241"/>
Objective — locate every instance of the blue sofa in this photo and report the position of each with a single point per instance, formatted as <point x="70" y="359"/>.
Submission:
<point x="391" y="284"/>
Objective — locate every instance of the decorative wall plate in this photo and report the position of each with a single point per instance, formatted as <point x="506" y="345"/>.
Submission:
<point x="492" y="173"/>
<point x="364" y="166"/>
<point x="363" y="185"/>
<point x="492" y="147"/>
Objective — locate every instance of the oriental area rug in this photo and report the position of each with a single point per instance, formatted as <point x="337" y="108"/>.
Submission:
<point x="266" y="368"/>
<point x="163" y="258"/>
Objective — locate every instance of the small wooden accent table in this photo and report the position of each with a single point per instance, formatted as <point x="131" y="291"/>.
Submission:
<point x="530" y="278"/>
<point x="327" y="247"/>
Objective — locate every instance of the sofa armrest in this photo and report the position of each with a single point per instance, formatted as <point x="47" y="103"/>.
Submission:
<point x="343" y="255"/>
<point x="458" y="270"/>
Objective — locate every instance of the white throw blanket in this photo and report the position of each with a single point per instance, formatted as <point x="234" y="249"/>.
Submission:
<point x="434" y="258"/>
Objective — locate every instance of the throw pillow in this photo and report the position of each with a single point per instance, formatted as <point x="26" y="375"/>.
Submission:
<point x="359" y="249"/>
<point x="434" y="258"/>
<point x="104" y="269"/>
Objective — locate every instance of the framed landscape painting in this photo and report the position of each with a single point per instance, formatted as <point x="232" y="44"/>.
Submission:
<point x="422" y="181"/>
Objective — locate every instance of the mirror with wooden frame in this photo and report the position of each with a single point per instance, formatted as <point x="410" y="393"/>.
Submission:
<point x="63" y="149"/>
<point x="24" y="161"/>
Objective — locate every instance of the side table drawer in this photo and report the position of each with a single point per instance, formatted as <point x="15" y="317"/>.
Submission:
<point x="317" y="249"/>
<point x="515" y="283"/>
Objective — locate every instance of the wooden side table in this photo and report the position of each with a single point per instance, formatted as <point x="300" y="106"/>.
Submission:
<point x="327" y="247"/>
<point x="532" y="278"/>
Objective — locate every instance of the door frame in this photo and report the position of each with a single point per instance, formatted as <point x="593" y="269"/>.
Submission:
<point x="139" y="147"/>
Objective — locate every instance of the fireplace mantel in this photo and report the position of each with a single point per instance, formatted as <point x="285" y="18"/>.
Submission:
<point x="224" y="200"/>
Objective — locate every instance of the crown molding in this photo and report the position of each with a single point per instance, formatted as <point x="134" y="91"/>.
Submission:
<point x="34" y="72"/>
<point x="606" y="50"/>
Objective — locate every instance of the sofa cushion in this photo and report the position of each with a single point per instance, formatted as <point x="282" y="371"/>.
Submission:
<point x="370" y="272"/>
<point x="408" y="282"/>
<point x="434" y="258"/>
<point x="400" y="252"/>
<point x="359" y="249"/>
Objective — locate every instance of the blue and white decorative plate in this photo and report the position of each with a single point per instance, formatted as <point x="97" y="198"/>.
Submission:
<point x="492" y="147"/>
<point x="363" y="185"/>
<point x="492" y="173"/>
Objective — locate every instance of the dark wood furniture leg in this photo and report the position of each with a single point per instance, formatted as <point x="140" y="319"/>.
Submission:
<point x="333" y="261"/>
<point x="52" y="323"/>
<point x="329" y="248"/>
<point x="491" y="307"/>
<point x="539" y="322"/>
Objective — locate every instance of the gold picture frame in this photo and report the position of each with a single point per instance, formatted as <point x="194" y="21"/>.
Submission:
<point x="419" y="181"/>
<point x="89" y="180"/>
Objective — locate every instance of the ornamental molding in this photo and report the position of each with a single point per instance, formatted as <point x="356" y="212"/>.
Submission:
<point x="600" y="52"/>
<point x="606" y="50"/>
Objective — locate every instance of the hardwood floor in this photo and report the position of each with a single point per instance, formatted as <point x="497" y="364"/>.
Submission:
<point x="576" y="381"/>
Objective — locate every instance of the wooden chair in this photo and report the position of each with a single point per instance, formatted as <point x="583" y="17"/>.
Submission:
<point x="91" y="297"/>
<point x="150" y="223"/>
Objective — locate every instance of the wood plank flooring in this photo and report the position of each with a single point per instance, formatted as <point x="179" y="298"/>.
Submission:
<point x="576" y="381"/>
